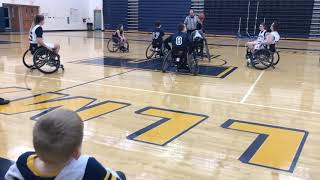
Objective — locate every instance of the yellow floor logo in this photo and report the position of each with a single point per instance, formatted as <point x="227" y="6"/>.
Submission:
<point x="275" y="147"/>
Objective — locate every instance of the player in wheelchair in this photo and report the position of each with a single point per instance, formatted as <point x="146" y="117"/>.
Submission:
<point x="118" y="42"/>
<point x="265" y="54"/>
<point x="156" y="48"/>
<point x="45" y="56"/>
<point x="198" y="41"/>
<point x="180" y="55"/>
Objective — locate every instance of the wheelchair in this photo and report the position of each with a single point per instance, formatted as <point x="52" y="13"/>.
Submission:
<point x="181" y="59"/>
<point x="114" y="45"/>
<point x="155" y="49"/>
<point x="265" y="57"/>
<point x="201" y="49"/>
<point x="42" y="59"/>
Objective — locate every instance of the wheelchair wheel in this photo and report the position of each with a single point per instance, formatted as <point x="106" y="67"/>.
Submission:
<point x="276" y="58"/>
<point x="27" y="59"/>
<point x="207" y="50"/>
<point x="264" y="60"/>
<point x="166" y="64"/>
<point x="193" y="65"/>
<point x="126" y="47"/>
<point x="46" y="61"/>
<point x="150" y="52"/>
<point x="112" y="46"/>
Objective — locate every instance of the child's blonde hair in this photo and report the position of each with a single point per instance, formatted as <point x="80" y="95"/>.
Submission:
<point x="57" y="135"/>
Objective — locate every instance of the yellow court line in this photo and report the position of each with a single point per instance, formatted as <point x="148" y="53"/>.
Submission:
<point x="225" y="72"/>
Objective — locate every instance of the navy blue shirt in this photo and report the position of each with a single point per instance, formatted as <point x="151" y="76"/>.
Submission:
<point x="180" y="39"/>
<point x="94" y="170"/>
<point x="157" y="34"/>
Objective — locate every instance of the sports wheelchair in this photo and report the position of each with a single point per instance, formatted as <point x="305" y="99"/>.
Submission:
<point x="201" y="49"/>
<point x="114" y="45"/>
<point x="181" y="59"/>
<point x="263" y="58"/>
<point x="42" y="59"/>
<point x="155" y="49"/>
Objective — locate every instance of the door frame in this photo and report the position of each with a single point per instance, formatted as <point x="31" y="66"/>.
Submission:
<point x="94" y="19"/>
<point x="8" y="5"/>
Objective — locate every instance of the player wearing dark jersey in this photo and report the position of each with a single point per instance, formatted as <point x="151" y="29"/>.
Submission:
<point x="180" y="43"/>
<point x="157" y="36"/>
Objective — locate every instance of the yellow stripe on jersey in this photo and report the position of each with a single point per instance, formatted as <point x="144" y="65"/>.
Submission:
<point x="31" y="165"/>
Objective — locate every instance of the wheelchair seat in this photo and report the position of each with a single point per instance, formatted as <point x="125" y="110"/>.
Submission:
<point x="179" y="52"/>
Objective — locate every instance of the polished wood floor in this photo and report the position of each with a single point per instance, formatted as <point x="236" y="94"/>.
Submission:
<point x="252" y="124"/>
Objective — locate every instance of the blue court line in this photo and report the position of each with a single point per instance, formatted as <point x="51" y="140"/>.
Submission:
<point x="156" y="65"/>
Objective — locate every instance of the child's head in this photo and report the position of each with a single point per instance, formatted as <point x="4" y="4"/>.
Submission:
<point x="120" y="27"/>
<point x="182" y="27"/>
<point x="263" y="27"/>
<point x="38" y="20"/>
<point x="57" y="136"/>
<point x="157" y="24"/>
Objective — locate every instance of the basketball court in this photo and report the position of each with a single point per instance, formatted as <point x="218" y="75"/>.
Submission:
<point x="229" y="122"/>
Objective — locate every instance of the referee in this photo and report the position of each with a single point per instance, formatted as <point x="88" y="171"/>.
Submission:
<point x="191" y="22"/>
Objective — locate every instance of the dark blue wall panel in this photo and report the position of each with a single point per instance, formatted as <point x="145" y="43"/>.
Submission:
<point x="294" y="16"/>
<point x="115" y="12"/>
<point x="169" y="12"/>
<point x="2" y="25"/>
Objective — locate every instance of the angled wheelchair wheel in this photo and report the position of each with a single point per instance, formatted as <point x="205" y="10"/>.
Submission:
<point x="46" y="61"/>
<point x="263" y="59"/>
<point x="126" y="46"/>
<point x="166" y="64"/>
<point x="193" y="64"/>
<point x="276" y="58"/>
<point x="208" y="54"/>
<point x="150" y="52"/>
<point x="112" y="46"/>
<point x="27" y="59"/>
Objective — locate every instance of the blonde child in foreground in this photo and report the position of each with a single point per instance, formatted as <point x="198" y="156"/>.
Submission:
<point x="57" y="140"/>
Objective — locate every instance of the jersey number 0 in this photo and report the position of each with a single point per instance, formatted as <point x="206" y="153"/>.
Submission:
<point x="179" y="41"/>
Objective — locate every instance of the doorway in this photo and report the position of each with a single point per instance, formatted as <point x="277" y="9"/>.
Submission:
<point x="21" y="16"/>
<point x="97" y="20"/>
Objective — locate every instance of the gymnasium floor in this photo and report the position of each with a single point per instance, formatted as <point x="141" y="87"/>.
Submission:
<point x="248" y="124"/>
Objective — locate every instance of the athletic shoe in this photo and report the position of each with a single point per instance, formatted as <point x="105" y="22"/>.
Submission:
<point x="4" y="102"/>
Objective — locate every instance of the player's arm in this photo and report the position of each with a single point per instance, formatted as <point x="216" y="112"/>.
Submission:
<point x="39" y="34"/>
<point x="167" y="41"/>
<point x="269" y="39"/>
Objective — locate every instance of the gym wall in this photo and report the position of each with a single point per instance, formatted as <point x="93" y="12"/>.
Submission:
<point x="169" y="12"/>
<point x="294" y="16"/>
<point x="115" y="12"/>
<point x="58" y="12"/>
<point x="222" y="16"/>
<point x="2" y="25"/>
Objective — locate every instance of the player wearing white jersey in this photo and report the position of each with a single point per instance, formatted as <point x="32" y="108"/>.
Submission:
<point x="36" y="36"/>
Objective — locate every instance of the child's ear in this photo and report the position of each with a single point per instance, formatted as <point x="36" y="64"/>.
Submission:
<point x="76" y="154"/>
